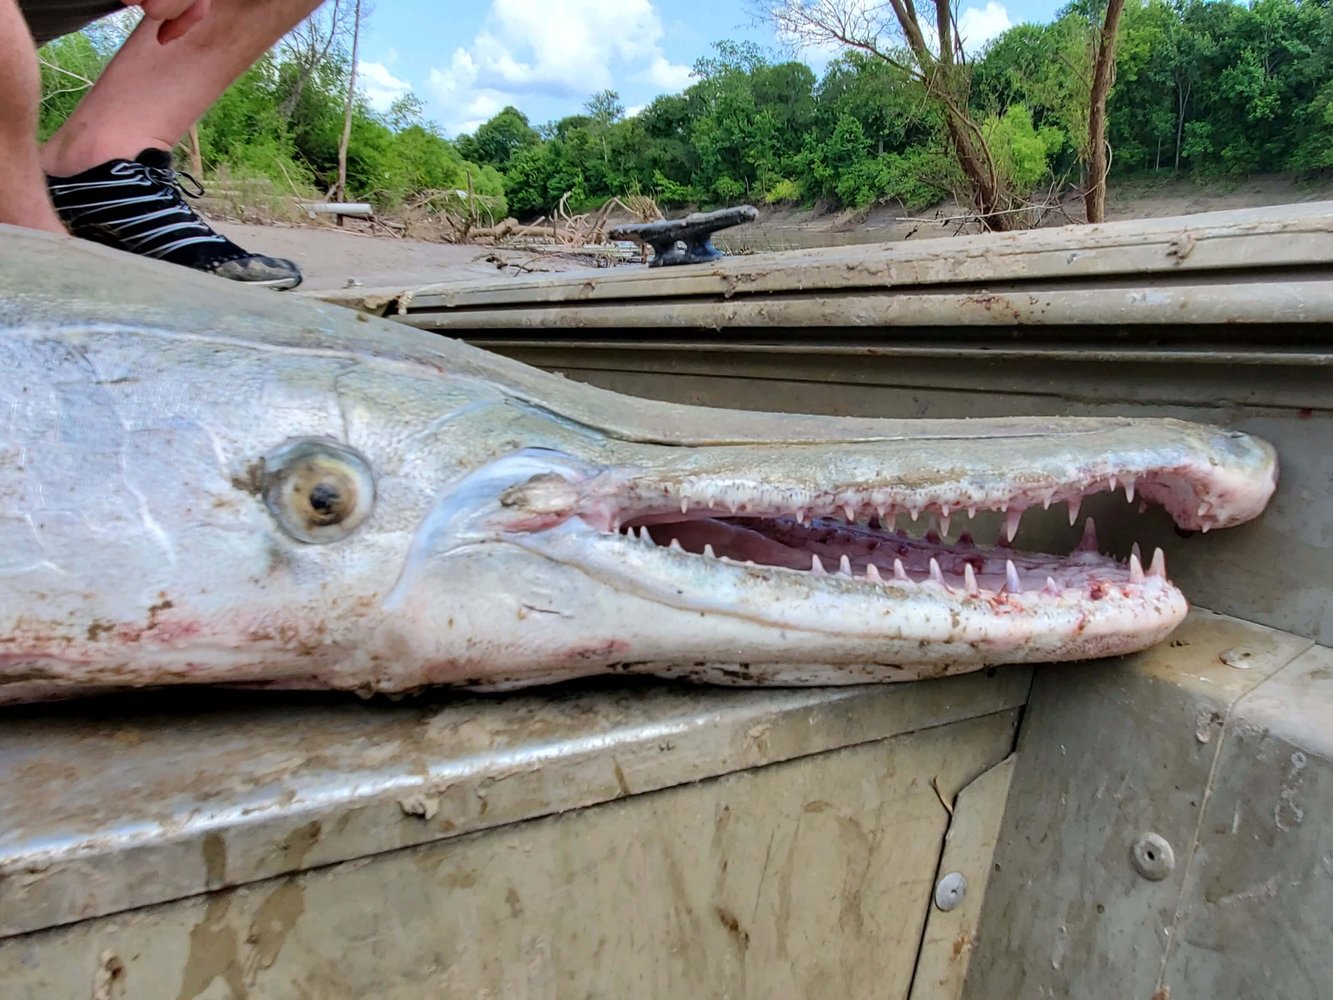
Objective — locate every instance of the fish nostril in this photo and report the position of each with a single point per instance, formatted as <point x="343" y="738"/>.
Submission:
<point x="544" y="493"/>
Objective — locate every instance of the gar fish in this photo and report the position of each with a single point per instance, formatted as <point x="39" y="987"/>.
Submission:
<point x="206" y="484"/>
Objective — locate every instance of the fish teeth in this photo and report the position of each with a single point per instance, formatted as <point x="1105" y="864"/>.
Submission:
<point x="684" y="505"/>
<point x="899" y="573"/>
<point x="1088" y="543"/>
<point x="1074" y="503"/>
<point x="675" y="544"/>
<point x="970" y="580"/>
<point x="944" y="522"/>
<point x="1135" y="570"/>
<point x="1051" y="586"/>
<point x="1129" y="490"/>
<point x="1011" y="519"/>
<point x="845" y="565"/>
<point x="1135" y="552"/>
<point x="850" y="511"/>
<point x="817" y="567"/>
<point x="1158" y="566"/>
<point x="708" y="551"/>
<point x="872" y="573"/>
<point x="1011" y="578"/>
<point x="935" y="573"/>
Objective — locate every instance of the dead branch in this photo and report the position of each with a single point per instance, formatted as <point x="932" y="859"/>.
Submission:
<point x="943" y="73"/>
<point x="1103" y="76"/>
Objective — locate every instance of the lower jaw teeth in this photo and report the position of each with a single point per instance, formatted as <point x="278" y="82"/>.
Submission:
<point x="777" y="549"/>
<point x="968" y="583"/>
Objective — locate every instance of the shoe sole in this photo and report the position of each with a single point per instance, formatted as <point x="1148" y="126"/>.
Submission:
<point x="277" y="284"/>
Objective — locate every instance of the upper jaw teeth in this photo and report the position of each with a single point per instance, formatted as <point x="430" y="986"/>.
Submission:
<point x="942" y="508"/>
<point x="860" y="502"/>
<point x="959" y="568"/>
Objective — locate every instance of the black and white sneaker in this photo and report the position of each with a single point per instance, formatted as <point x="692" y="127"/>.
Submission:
<point x="139" y="206"/>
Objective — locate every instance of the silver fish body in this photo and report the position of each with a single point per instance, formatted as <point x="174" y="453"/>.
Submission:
<point x="207" y="484"/>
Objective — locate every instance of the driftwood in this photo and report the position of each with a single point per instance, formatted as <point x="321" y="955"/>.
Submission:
<point x="353" y="209"/>
<point x="563" y="229"/>
<point x="510" y="227"/>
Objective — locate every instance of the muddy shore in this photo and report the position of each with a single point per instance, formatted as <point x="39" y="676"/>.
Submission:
<point x="333" y="258"/>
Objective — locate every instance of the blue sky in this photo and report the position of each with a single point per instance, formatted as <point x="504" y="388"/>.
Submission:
<point x="546" y="57"/>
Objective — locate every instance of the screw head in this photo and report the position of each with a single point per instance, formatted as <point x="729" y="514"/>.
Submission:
<point x="950" y="890"/>
<point x="1153" y="857"/>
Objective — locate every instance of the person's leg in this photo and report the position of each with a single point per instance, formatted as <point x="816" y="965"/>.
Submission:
<point x="23" y="197"/>
<point x="150" y="94"/>
<point x="109" y="165"/>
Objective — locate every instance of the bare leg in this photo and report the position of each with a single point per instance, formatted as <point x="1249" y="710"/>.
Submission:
<point x="150" y="94"/>
<point x="23" y="197"/>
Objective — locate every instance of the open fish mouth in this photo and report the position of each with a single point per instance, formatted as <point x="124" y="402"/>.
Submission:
<point x="865" y="551"/>
<point x="878" y="534"/>
<point x="931" y="562"/>
<point x="876" y="537"/>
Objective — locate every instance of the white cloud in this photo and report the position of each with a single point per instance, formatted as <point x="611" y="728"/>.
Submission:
<point x="380" y="86"/>
<point x="978" y="25"/>
<point x="465" y="103"/>
<point x="562" y="48"/>
<point x="666" y="75"/>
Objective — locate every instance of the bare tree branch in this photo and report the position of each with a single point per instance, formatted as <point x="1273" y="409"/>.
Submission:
<point x="938" y="63"/>
<point x="1103" y="76"/>
<point x="309" y="44"/>
<point x="347" y="110"/>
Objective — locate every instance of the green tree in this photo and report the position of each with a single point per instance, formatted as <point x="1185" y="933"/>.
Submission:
<point x="497" y="140"/>
<point x="604" y="108"/>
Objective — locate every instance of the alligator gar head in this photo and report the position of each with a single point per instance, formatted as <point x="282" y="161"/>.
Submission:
<point x="206" y="484"/>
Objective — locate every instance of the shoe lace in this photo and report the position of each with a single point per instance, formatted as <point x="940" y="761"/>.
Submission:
<point x="170" y="177"/>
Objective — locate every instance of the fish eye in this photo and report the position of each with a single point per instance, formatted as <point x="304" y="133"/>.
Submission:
<point x="318" y="491"/>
